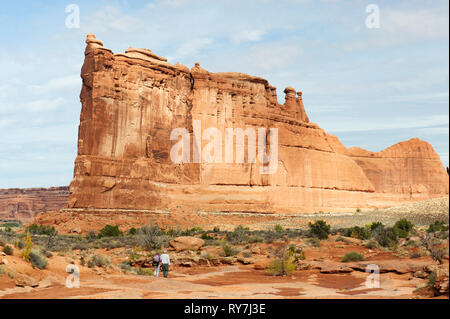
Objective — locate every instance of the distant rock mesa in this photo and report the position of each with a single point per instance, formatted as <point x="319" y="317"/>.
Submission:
<point x="131" y="102"/>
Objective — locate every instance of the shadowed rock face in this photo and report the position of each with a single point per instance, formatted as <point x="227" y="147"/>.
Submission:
<point x="24" y="204"/>
<point x="131" y="103"/>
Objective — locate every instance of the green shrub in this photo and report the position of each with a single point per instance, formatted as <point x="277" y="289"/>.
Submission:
<point x="415" y="255"/>
<point x="20" y="244"/>
<point x="37" y="259"/>
<point x="229" y="251"/>
<point x="357" y="232"/>
<point x="145" y="271"/>
<point x="238" y="236"/>
<point x="8" y="250"/>
<point x="403" y="227"/>
<point x="283" y="264"/>
<point x="437" y="226"/>
<point x="41" y="229"/>
<point x="352" y="256"/>
<point x="278" y="228"/>
<point x="375" y="225"/>
<point x="343" y="239"/>
<point x="110" y="231"/>
<point x="206" y="236"/>
<point x="386" y="236"/>
<point x="151" y="237"/>
<point x="371" y="244"/>
<point x="98" y="260"/>
<point x="319" y="229"/>
<point x="132" y="231"/>
<point x="216" y="229"/>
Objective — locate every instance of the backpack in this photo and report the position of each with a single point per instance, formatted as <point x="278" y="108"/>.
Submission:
<point x="156" y="260"/>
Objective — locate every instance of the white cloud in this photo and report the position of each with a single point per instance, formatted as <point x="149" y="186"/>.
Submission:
<point x="191" y="48"/>
<point x="44" y="105"/>
<point x="111" y="18"/>
<point x="247" y="36"/>
<point x="69" y="81"/>
<point x="350" y="125"/>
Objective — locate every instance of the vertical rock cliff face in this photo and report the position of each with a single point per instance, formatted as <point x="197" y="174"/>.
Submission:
<point x="24" y="204"/>
<point x="133" y="102"/>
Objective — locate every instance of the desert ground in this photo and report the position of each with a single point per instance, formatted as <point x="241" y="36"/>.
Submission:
<point x="223" y="260"/>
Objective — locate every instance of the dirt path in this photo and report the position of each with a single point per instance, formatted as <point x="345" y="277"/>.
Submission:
<point x="238" y="282"/>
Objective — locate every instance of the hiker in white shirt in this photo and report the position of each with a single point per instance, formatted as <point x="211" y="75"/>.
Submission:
<point x="165" y="262"/>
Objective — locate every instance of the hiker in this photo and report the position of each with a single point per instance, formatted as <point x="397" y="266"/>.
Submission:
<point x="157" y="264"/>
<point x="165" y="261"/>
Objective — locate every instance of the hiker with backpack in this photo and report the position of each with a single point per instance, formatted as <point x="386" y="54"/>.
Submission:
<point x="165" y="262"/>
<point x="156" y="264"/>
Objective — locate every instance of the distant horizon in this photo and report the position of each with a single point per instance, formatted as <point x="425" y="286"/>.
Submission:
<point x="371" y="87"/>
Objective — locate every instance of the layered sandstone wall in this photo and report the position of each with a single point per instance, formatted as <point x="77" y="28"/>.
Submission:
<point x="131" y="103"/>
<point x="24" y="204"/>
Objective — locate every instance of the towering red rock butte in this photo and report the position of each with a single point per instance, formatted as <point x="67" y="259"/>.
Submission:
<point x="23" y="204"/>
<point x="131" y="102"/>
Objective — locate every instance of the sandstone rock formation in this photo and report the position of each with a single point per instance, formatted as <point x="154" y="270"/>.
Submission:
<point x="24" y="204"/>
<point x="186" y="243"/>
<point x="131" y="102"/>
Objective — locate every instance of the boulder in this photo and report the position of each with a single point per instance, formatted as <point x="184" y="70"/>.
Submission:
<point x="23" y="280"/>
<point x="187" y="243"/>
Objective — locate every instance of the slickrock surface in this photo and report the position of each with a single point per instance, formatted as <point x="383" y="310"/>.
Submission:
<point x="131" y="102"/>
<point x="24" y="204"/>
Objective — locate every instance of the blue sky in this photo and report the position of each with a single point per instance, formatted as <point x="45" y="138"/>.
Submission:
<point x="370" y="87"/>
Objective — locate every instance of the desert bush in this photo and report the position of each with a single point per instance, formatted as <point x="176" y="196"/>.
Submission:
<point x="228" y="250"/>
<point x="98" y="260"/>
<point x="283" y="264"/>
<point x="352" y="256"/>
<point x="40" y="229"/>
<point x="2" y="270"/>
<point x="206" y="236"/>
<point x="358" y="232"/>
<point x="386" y="236"/>
<point x="27" y="249"/>
<point x="319" y="229"/>
<point x="132" y="231"/>
<point x="342" y="239"/>
<point x="415" y="255"/>
<point x="2" y="243"/>
<point x="238" y="236"/>
<point x="437" y="226"/>
<point x="403" y="227"/>
<point x="371" y="244"/>
<point x="216" y="229"/>
<point x="151" y="237"/>
<point x="278" y="228"/>
<point x="8" y="250"/>
<point x="110" y="231"/>
<point x="37" y="259"/>
<point x="145" y="271"/>
<point x="255" y="239"/>
<point x="375" y="225"/>
<point x="20" y="244"/>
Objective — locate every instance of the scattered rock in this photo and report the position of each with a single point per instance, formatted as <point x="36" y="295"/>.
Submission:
<point x="261" y="264"/>
<point x="23" y="280"/>
<point x="246" y="261"/>
<point x="76" y="230"/>
<point x="187" y="243"/>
